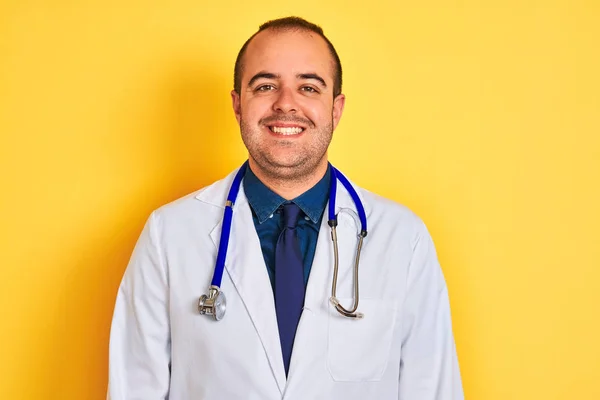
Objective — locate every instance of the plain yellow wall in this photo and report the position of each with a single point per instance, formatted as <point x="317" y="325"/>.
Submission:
<point x="483" y="117"/>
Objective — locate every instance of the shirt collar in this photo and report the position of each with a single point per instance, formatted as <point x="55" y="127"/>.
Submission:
<point x="265" y="202"/>
<point x="314" y="200"/>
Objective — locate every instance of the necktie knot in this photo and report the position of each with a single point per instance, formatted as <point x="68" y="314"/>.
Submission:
<point x="291" y="214"/>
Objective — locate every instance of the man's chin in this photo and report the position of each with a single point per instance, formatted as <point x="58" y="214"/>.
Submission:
<point x="280" y="166"/>
<point x="290" y="168"/>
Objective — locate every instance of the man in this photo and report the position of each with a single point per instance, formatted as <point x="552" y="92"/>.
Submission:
<point x="283" y="336"/>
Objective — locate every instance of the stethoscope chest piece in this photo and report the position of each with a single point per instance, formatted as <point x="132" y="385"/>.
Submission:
<point x="213" y="304"/>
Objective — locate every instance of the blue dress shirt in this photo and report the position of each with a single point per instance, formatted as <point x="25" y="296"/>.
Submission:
<point x="266" y="213"/>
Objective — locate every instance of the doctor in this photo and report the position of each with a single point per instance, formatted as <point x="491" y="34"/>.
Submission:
<point x="282" y="336"/>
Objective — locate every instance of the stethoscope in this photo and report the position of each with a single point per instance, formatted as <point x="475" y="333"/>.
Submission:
<point x="215" y="303"/>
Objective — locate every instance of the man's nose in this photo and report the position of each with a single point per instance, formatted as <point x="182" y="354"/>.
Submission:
<point x="285" y="101"/>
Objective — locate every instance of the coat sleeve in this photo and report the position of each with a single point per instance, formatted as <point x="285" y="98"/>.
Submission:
<point x="429" y="365"/>
<point x="139" y="349"/>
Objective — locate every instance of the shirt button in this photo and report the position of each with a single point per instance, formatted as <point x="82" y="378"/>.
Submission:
<point x="271" y="216"/>
<point x="307" y="218"/>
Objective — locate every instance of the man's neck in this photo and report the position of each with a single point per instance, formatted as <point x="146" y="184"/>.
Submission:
<point x="290" y="188"/>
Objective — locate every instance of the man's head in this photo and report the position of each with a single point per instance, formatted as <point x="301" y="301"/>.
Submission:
<point x="287" y="98"/>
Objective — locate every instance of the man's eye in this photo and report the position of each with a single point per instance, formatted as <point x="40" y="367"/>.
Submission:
<point x="308" y="89"/>
<point x="265" y="88"/>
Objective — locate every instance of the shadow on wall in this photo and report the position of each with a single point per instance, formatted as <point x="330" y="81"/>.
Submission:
<point x="192" y="143"/>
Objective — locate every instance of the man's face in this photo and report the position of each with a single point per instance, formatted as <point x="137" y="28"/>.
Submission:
<point x="285" y="108"/>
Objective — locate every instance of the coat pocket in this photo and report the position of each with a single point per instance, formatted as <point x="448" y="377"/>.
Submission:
<point x="359" y="349"/>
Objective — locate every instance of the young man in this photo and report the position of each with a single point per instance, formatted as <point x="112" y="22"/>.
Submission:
<point x="287" y="333"/>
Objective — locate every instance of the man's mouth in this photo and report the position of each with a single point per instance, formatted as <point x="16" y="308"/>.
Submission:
<point x="287" y="130"/>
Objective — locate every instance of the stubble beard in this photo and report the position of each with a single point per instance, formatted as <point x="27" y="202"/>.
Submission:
<point x="299" y="166"/>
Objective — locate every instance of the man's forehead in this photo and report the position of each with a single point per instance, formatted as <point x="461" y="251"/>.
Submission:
<point x="300" y="48"/>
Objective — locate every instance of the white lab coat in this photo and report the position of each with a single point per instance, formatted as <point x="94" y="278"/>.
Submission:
<point x="161" y="348"/>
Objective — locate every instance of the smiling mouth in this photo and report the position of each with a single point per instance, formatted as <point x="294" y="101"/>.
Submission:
<point x="286" y="131"/>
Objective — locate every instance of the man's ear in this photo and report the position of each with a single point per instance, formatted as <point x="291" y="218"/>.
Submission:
<point x="236" y="103"/>
<point x="338" y="109"/>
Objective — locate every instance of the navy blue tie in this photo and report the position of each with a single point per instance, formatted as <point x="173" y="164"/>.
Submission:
<point x="289" y="282"/>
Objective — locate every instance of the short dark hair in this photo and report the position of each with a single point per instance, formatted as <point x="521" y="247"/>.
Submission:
<point x="290" y="23"/>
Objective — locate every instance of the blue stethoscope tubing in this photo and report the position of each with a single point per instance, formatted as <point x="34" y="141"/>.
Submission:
<point x="332" y="222"/>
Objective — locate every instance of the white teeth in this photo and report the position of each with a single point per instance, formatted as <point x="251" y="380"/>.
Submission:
<point x="286" y="131"/>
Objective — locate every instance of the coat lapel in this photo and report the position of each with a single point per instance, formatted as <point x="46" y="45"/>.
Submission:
<point x="246" y="267"/>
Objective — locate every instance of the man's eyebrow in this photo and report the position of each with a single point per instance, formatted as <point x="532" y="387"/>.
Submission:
<point x="263" y="75"/>
<point x="312" y="76"/>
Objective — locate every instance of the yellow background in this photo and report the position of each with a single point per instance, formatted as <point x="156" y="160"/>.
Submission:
<point x="483" y="117"/>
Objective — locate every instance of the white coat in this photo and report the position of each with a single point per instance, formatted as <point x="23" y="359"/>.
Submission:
<point x="161" y="348"/>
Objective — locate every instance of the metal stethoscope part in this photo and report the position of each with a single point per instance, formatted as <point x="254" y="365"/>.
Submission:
<point x="213" y="304"/>
<point x="333" y="299"/>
